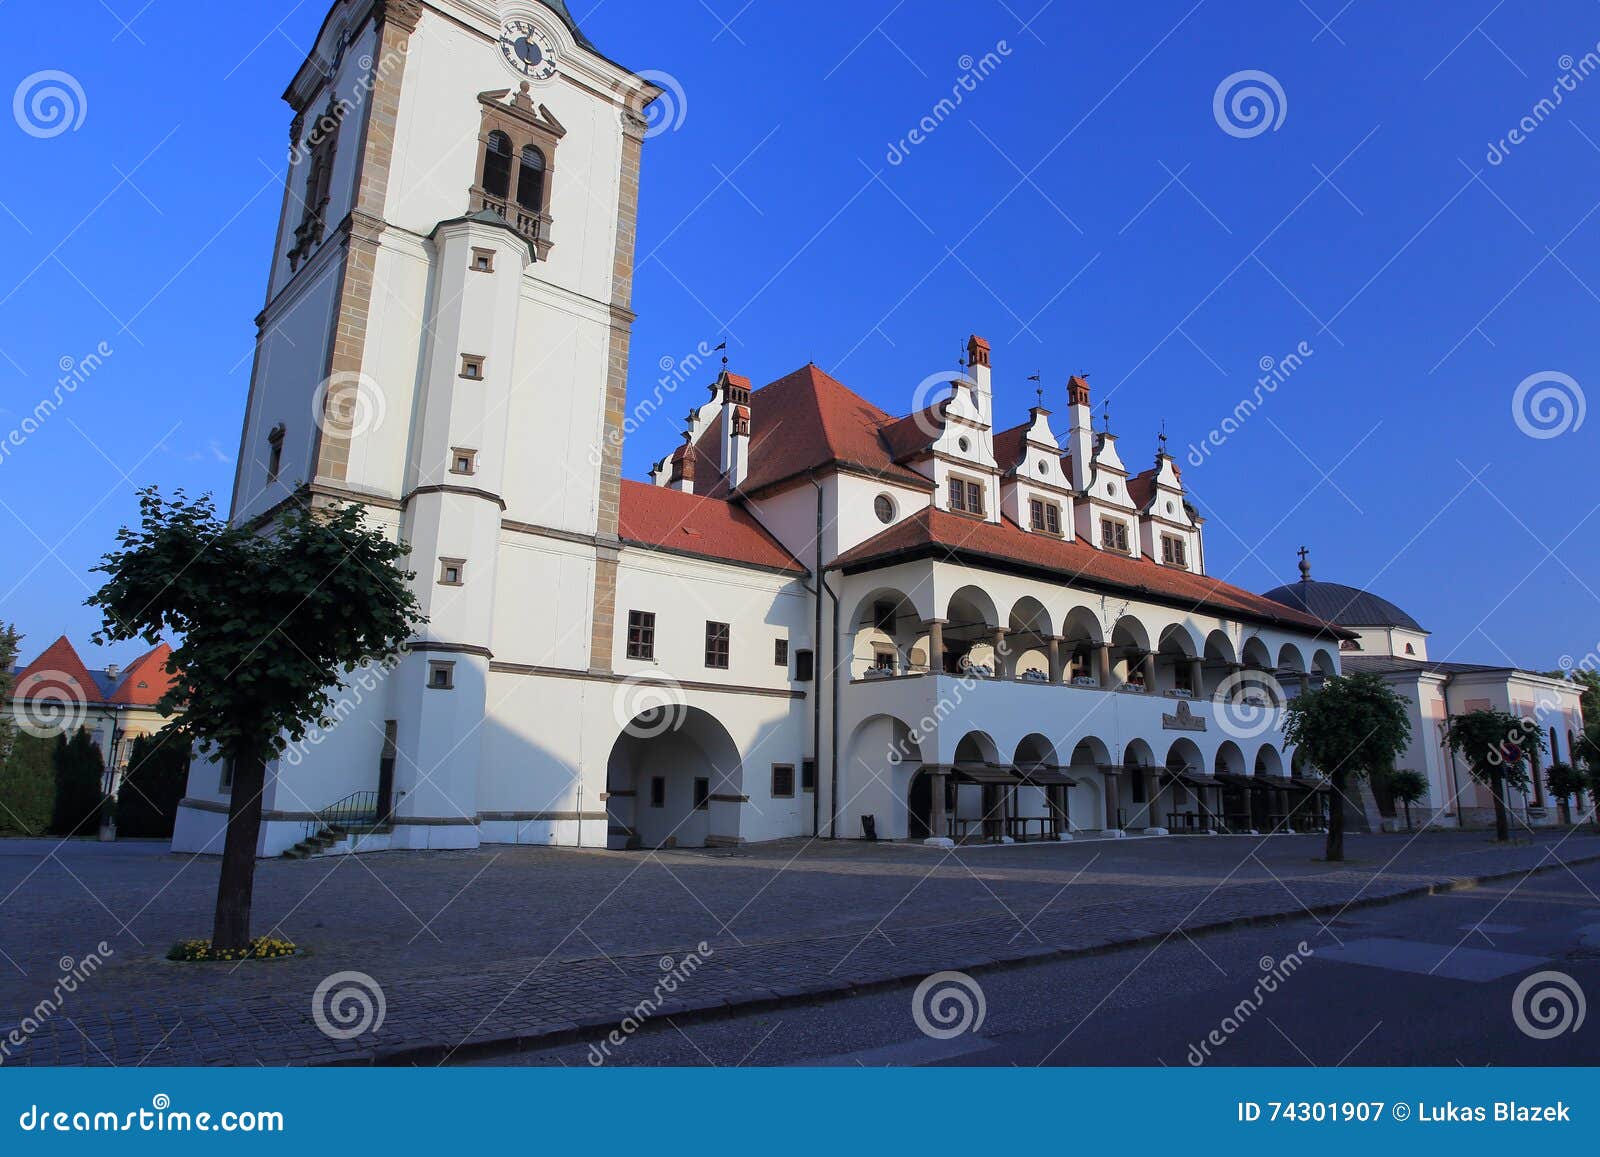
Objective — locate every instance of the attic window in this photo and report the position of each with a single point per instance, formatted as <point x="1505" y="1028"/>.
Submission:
<point x="1172" y="508"/>
<point x="1044" y="467"/>
<point x="1410" y="650"/>
<point x="883" y="507"/>
<point x="1111" y="488"/>
<point x="1173" y="552"/>
<point x="965" y="444"/>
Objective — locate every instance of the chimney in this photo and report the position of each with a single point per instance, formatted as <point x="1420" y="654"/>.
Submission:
<point x="735" y="428"/>
<point x="978" y="371"/>
<point x="112" y="671"/>
<point x="682" y="473"/>
<point x="1080" y="436"/>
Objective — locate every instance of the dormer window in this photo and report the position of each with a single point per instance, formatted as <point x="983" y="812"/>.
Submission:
<point x="1114" y="535"/>
<point x="1173" y="550"/>
<point x="966" y="497"/>
<point x="1044" y="517"/>
<point x="883" y="507"/>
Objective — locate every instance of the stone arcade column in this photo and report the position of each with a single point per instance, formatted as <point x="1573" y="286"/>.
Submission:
<point x="1149" y="663"/>
<point x="1113" y="797"/>
<point x="1057" y="667"/>
<point x="937" y="826"/>
<point x="1197" y="677"/>
<point x="1102" y="665"/>
<point x="935" y="629"/>
<point x="1000" y="634"/>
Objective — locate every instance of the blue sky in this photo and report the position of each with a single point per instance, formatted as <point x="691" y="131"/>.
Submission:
<point x="1083" y="208"/>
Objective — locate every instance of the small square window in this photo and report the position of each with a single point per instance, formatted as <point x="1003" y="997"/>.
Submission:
<point x="780" y="653"/>
<point x="463" y="461"/>
<point x="808" y="775"/>
<point x="472" y="367"/>
<point x="642" y="635"/>
<point x="452" y="572"/>
<point x="658" y="791"/>
<point x="783" y="781"/>
<point x="441" y="676"/>
<point x="717" y="645"/>
<point x="702" y="794"/>
<point x="483" y="261"/>
<point x="805" y="666"/>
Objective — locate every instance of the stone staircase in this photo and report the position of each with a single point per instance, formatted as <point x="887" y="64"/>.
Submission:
<point x="349" y="826"/>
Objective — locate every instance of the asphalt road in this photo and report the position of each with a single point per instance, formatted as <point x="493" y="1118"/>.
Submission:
<point x="1424" y="982"/>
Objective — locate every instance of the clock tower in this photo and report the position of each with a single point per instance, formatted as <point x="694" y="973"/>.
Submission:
<point x="445" y="342"/>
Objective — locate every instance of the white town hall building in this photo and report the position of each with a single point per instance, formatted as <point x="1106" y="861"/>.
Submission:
<point x="816" y="618"/>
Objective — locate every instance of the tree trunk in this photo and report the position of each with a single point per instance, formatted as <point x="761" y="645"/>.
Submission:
<point x="1566" y="812"/>
<point x="1334" y="852"/>
<point x="1408" y="816"/>
<point x="231" y="929"/>
<point x="1502" y="825"/>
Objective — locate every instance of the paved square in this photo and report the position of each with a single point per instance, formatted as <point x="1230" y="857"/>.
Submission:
<point x="502" y="941"/>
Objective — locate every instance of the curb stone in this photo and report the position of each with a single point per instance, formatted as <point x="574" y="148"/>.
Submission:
<point x="761" y="999"/>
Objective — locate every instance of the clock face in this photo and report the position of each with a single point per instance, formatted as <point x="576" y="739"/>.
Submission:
<point x="528" y="49"/>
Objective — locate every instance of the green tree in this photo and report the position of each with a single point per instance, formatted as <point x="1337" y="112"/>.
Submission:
<point x="1497" y="747"/>
<point x="9" y="642"/>
<point x="1565" y="781"/>
<point x="1408" y="787"/>
<point x="28" y="786"/>
<point x="271" y="618"/>
<point x="1350" y="728"/>
<point x="153" y="785"/>
<point x="80" y="772"/>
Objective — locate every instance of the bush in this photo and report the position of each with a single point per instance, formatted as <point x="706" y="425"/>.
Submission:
<point x="28" y="787"/>
<point x="80" y="775"/>
<point x="153" y="785"/>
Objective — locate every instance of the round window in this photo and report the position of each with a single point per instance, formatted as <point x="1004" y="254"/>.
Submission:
<point x="1171" y="509"/>
<point x="1111" y="487"/>
<point x="1044" y="468"/>
<point x="883" y="505"/>
<point x="965" y="444"/>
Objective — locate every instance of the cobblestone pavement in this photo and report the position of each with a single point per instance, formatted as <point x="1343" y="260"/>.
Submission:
<point x="520" y="942"/>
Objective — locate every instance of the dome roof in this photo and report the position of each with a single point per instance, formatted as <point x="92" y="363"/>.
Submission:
<point x="1342" y="605"/>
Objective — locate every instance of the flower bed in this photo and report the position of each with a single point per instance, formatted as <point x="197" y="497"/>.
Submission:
<point x="261" y="948"/>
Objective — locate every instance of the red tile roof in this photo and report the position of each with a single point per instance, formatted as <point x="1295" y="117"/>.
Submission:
<point x="660" y="518"/>
<point x="58" y="674"/>
<point x="935" y="533"/>
<point x="146" y="679"/>
<point x="1008" y="447"/>
<point x="801" y="422"/>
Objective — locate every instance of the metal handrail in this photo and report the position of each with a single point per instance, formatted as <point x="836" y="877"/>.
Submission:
<point x="356" y="809"/>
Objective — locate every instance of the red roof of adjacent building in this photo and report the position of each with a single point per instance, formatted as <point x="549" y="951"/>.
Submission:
<point x="57" y="674"/>
<point x="661" y="518"/>
<point x="935" y="533"/>
<point x="60" y="674"/>
<point x="146" y="680"/>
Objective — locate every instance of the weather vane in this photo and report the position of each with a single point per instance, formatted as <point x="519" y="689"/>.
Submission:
<point x="1040" y="391"/>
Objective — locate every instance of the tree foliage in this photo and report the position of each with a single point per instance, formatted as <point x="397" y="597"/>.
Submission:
<point x="1351" y="727"/>
<point x="80" y="772"/>
<point x="28" y="786"/>
<point x="270" y="619"/>
<point x="1408" y="787"/>
<point x="1498" y="748"/>
<point x="10" y="641"/>
<point x="153" y="785"/>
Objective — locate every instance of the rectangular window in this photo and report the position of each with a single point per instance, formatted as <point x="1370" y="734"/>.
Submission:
<point x="808" y="775"/>
<point x="658" y="791"/>
<point x="805" y="666"/>
<point x="885" y="659"/>
<point x="463" y="461"/>
<point x="780" y="653"/>
<point x="783" y="781"/>
<point x="275" y="452"/>
<point x="226" y="784"/>
<point x="1044" y="517"/>
<point x="642" y="635"/>
<point x="965" y="496"/>
<point x="702" y="794"/>
<point x="1114" y="535"/>
<point x="452" y="572"/>
<point x="472" y="367"/>
<point x="883" y="616"/>
<point x="1173" y="551"/>
<point x="717" y="645"/>
<point x="441" y="676"/>
<point x="483" y="260"/>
